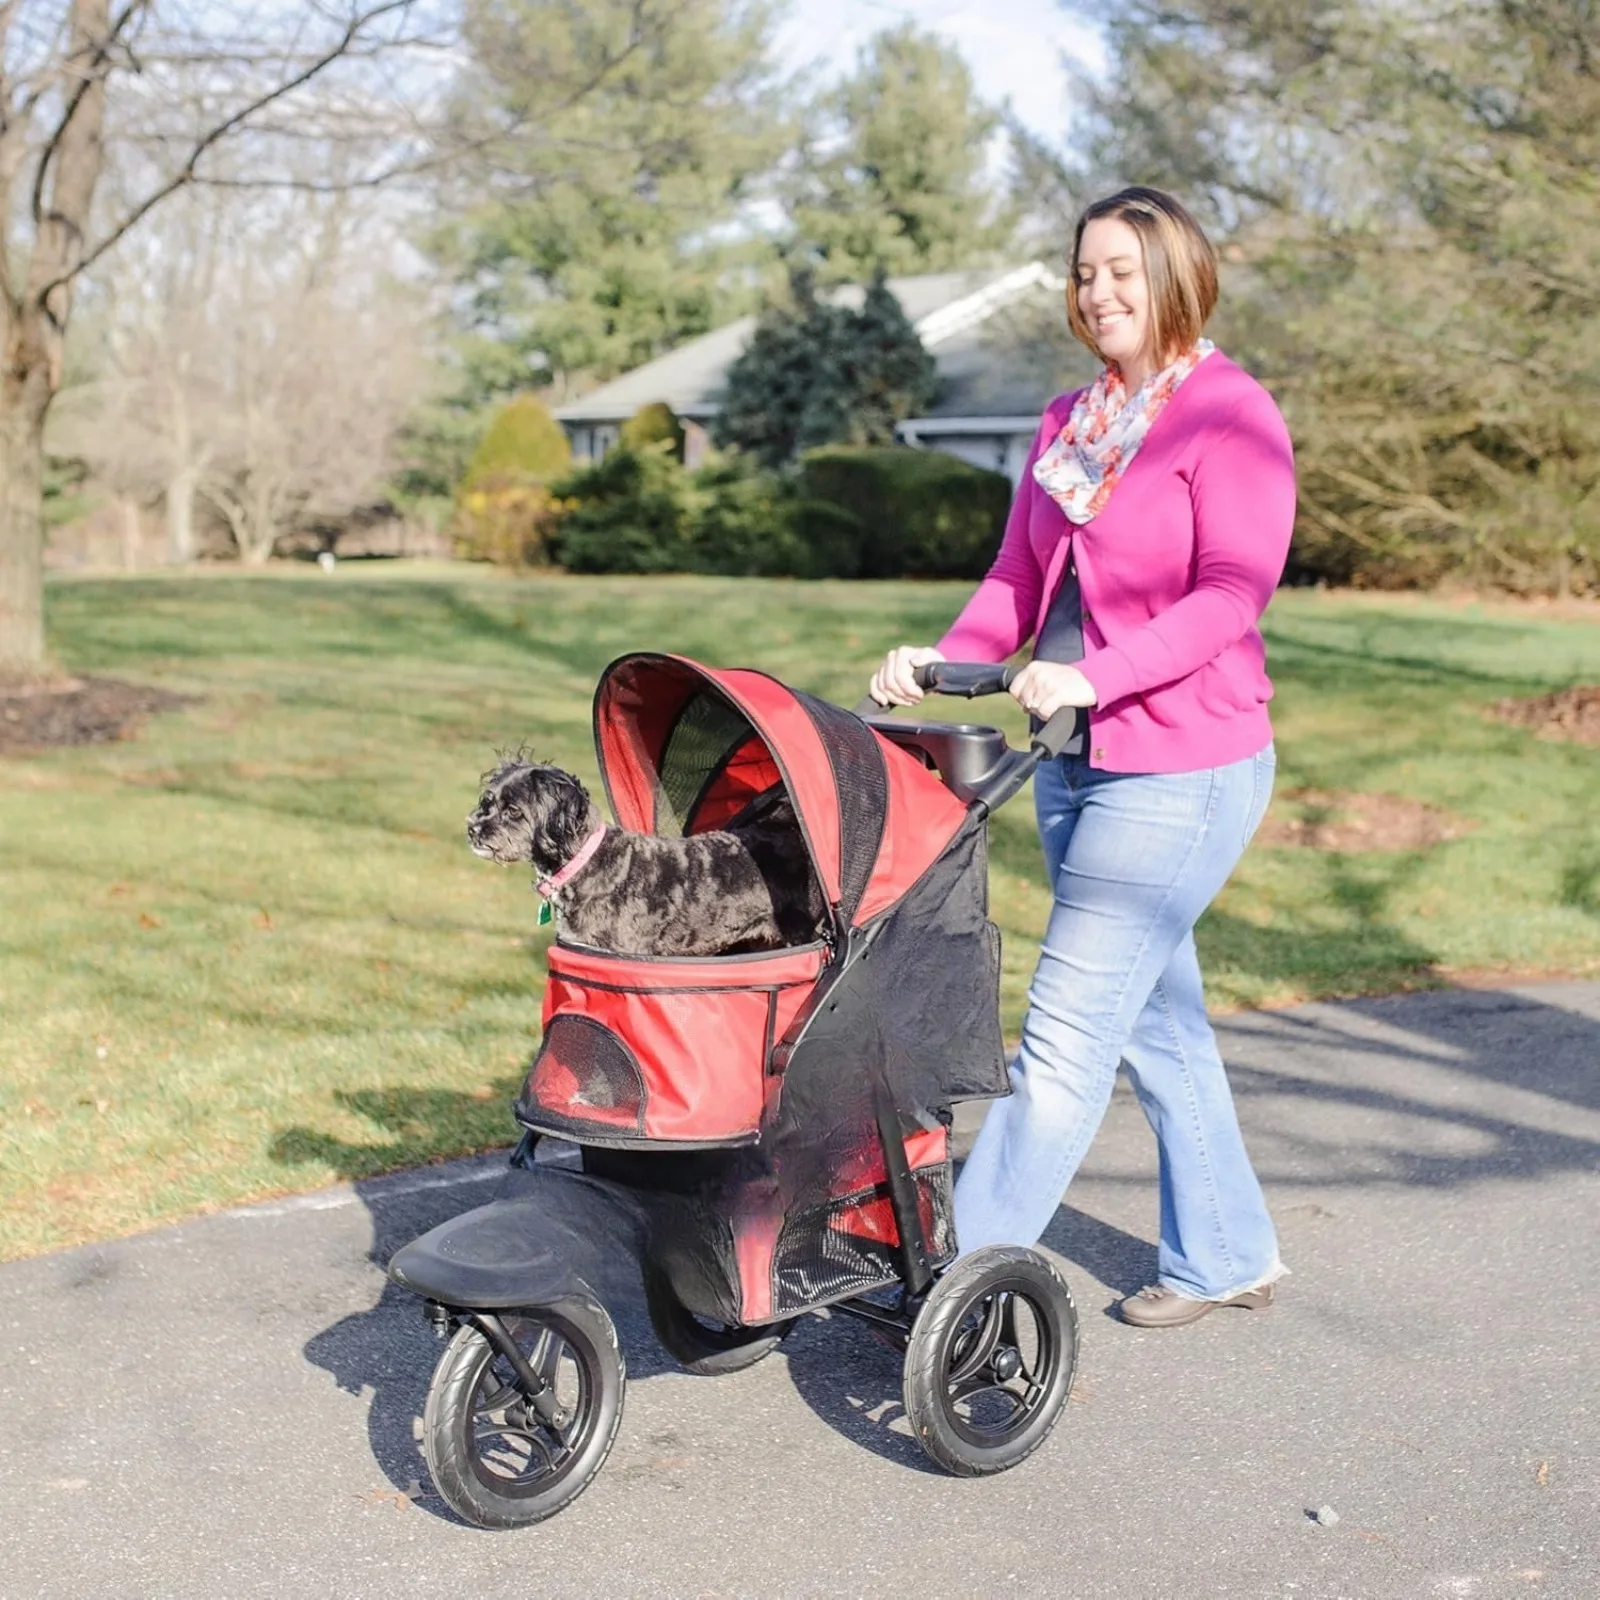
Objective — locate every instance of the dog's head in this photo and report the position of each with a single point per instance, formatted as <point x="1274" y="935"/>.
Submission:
<point x="530" y="812"/>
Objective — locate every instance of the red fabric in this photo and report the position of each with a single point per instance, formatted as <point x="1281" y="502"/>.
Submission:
<point x="865" y="1169"/>
<point x="750" y="771"/>
<point x="638" y="702"/>
<point x="873" y="1218"/>
<point x="697" y="1031"/>
<point x="630" y="734"/>
<point x="792" y="737"/>
<point x="757" y="1225"/>
<point x="923" y="817"/>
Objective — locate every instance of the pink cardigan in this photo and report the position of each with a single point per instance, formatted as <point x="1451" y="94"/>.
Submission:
<point x="1175" y="572"/>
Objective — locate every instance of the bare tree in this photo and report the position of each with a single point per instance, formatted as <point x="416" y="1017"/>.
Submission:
<point x="315" y="372"/>
<point x="261" y="360"/>
<point x="186" y="83"/>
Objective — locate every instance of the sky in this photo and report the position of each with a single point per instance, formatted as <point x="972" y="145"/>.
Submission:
<point x="1013" y="47"/>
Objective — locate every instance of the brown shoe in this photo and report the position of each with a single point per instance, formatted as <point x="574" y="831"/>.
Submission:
<point x="1158" y="1307"/>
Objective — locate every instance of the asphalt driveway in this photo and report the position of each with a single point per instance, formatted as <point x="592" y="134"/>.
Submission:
<point x="229" y="1407"/>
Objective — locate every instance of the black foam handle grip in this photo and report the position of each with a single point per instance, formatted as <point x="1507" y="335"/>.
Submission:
<point x="1051" y="739"/>
<point x="966" y="678"/>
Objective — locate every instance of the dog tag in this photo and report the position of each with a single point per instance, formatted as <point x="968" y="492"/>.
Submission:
<point x="547" y="913"/>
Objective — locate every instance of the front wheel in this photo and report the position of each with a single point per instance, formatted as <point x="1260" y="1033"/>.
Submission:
<point x="990" y="1360"/>
<point x="495" y="1458"/>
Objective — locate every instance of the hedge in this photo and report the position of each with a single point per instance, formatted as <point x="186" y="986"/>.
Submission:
<point x="892" y="512"/>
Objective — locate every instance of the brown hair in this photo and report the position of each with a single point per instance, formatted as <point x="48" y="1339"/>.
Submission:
<point x="1178" y="260"/>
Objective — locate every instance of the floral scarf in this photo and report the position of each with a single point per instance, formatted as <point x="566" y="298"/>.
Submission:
<point x="1080" y="467"/>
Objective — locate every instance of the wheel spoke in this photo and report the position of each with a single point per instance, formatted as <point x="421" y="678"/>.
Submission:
<point x="984" y="1385"/>
<point x="545" y="1357"/>
<point x="505" y="1395"/>
<point x="1028" y="1367"/>
<point x="972" y="1356"/>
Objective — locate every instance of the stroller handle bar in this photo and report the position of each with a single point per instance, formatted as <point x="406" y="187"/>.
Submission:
<point x="1004" y="769"/>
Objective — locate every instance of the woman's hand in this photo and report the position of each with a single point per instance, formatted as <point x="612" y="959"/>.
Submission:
<point x="893" y="684"/>
<point x="1045" y="687"/>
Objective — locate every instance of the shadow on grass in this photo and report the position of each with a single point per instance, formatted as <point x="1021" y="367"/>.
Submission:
<point x="413" y="1119"/>
<point x="1364" y="950"/>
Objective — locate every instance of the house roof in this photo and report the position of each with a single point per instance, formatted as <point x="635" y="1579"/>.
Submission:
<point x="954" y="313"/>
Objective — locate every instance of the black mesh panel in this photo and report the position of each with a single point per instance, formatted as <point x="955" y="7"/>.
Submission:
<point x="862" y="784"/>
<point x="584" y="1080"/>
<point x="822" y="1257"/>
<point x="707" y="732"/>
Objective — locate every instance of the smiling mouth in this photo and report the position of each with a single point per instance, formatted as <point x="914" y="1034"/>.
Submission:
<point x="481" y="849"/>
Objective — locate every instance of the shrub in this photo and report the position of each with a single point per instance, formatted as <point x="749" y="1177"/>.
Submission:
<point x="830" y="538"/>
<point x="504" y="512"/>
<point x="639" y="511"/>
<point x="653" y="424"/>
<point x="895" y="512"/>
<point x="506" y="521"/>
<point x="630" y="512"/>
<point x="744" y="522"/>
<point x="522" y="441"/>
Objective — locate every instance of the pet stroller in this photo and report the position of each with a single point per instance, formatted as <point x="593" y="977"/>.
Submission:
<point x="759" y="1135"/>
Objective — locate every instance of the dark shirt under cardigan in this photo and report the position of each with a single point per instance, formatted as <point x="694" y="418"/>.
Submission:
<point x="1061" y="639"/>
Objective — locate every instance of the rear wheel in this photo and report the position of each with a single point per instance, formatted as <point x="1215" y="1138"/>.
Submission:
<point x="990" y="1360"/>
<point x="706" y="1347"/>
<point x="495" y="1459"/>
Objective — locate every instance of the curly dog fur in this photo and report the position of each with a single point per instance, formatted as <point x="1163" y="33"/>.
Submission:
<point x="744" y="888"/>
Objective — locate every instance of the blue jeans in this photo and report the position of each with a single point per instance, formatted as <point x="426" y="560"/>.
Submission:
<point x="1134" y="859"/>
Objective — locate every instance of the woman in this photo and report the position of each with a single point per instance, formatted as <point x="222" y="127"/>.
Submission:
<point x="1146" y="539"/>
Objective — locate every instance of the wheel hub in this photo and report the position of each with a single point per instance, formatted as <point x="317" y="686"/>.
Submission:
<point x="1007" y="1363"/>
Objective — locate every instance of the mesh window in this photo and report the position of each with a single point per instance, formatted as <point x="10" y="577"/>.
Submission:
<point x="707" y="732"/>
<point x="862" y="784"/>
<point x="584" y="1079"/>
<point x="848" y="1245"/>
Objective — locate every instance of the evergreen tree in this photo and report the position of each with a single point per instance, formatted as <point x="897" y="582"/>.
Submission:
<point x="817" y="372"/>
<point x="595" y="243"/>
<point x="892" y="172"/>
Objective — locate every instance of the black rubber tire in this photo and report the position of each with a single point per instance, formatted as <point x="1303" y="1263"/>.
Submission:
<point x="572" y="1344"/>
<point x="712" y="1349"/>
<point x="970" y="1417"/>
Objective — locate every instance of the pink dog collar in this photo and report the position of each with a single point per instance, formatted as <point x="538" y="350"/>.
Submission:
<point x="548" y="886"/>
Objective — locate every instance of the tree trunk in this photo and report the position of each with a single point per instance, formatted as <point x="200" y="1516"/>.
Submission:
<point x="180" y="515"/>
<point x="22" y="656"/>
<point x="132" y="533"/>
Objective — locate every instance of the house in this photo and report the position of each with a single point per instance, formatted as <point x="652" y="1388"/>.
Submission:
<point x="996" y="336"/>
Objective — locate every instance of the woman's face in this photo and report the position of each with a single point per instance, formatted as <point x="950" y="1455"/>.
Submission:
<point x="1114" y="293"/>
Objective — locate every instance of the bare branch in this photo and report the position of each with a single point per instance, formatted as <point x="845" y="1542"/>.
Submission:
<point x="87" y="76"/>
<point x="186" y="174"/>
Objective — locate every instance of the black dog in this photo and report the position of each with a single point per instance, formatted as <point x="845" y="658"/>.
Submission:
<point x="748" y="887"/>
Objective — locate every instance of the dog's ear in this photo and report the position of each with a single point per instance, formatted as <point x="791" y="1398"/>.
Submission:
<point x="569" y="811"/>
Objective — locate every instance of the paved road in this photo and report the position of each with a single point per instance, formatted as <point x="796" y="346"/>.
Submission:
<point x="227" y="1408"/>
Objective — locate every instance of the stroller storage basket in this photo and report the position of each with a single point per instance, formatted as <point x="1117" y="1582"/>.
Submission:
<point x="640" y="1052"/>
<point x="748" y="1250"/>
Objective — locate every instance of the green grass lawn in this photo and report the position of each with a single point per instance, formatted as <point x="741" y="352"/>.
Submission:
<point x="249" y="951"/>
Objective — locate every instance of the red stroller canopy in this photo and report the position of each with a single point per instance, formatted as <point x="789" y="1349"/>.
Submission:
<point x="682" y="749"/>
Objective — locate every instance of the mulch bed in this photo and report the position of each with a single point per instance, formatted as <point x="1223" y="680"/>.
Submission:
<point x="1351" y="822"/>
<point x="1566" y="714"/>
<point x="83" y="711"/>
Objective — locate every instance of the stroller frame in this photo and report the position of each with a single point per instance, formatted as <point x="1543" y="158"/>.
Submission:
<point x="778" y="1178"/>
